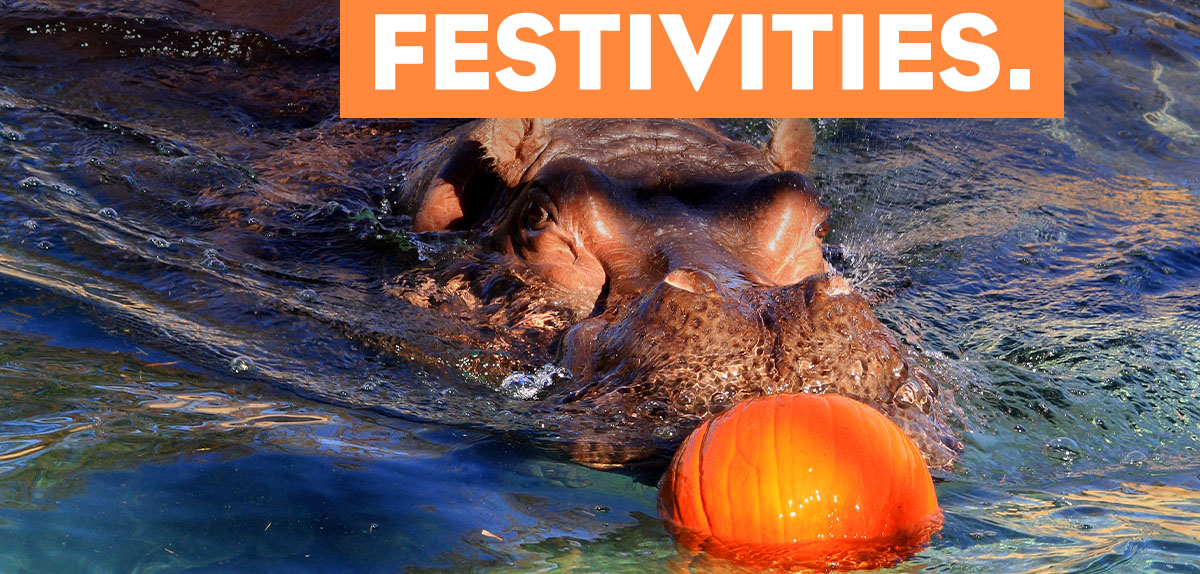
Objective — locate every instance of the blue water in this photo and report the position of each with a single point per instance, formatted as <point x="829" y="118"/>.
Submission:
<point x="188" y="234"/>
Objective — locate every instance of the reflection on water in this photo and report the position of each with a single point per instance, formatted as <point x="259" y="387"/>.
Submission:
<point x="186" y="228"/>
<point x="196" y="474"/>
<point x="1091" y="525"/>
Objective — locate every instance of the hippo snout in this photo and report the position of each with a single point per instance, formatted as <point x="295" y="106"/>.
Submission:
<point x="693" y="347"/>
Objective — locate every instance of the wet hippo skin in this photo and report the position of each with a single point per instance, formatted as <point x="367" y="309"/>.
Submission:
<point x="673" y="270"/>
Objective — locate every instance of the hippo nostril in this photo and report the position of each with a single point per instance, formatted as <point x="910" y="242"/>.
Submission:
<point x="692" y="280"/>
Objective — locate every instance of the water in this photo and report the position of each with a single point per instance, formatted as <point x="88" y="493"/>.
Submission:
<point x="202" y="368"/>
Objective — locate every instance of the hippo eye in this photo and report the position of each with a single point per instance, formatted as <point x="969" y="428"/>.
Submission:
<point x="822" y="230"/>
<point x="535" y="218"/>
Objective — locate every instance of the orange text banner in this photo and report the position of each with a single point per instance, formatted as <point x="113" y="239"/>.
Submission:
<point x="960" y="58"/>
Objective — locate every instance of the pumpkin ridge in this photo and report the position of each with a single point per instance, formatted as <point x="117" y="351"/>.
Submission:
<point x="773" y="436"/>
<point x="702" y="472"/>
<point x="891" y="445"/>
<point x="697" y="455"/>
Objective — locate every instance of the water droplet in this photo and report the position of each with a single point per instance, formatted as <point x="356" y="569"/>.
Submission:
<point x="308" y="296"/>
<point x="159" y="242"/>
<point x="1062" y="449"/>
<point x="1135" y="458"/>
<point x="241" y="365"/>
<point x="108" y="213"/>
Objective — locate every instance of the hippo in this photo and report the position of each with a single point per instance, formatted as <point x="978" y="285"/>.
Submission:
<point x="666" y="270"/>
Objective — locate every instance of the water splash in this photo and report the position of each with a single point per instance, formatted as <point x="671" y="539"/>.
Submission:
<point x="529" y="386"/>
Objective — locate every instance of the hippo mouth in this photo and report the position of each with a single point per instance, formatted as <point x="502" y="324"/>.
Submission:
<point x="694" y="346"/>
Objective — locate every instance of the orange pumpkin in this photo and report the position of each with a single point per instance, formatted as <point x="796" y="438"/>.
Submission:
<point x="800" y="480"/>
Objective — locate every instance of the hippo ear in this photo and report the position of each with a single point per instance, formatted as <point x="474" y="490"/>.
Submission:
<point x="490" y="155"/>
<point x="791" y="147"/>
<point x="513" y="144"/>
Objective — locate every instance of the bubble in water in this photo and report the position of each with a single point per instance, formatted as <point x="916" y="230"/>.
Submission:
<point x="1135" y="458"/>
<point x="30" y="224"/>
<point x="30" y="183"/>
<point x="308" y="296"/>
<point x="108" y="213"/>
<point x="1062" y="449"/>
<point x="214" y="264"/>
<point x="718" y="401"/>
<point x="686" y="398"/>
<point x="45" y="245"/>
<point x="159" y="242"/>
<point x="665" y="432"/>
<point x="240" y="365"/>
<point x="652" y="410"/>
<point x="64" y="189"/>
<point x="527" y="386"/>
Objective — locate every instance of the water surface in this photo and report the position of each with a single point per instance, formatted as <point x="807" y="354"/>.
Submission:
<point x="201" y="366"/>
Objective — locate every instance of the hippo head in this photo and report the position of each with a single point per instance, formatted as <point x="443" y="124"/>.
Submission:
<point x="672" y="271"/>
